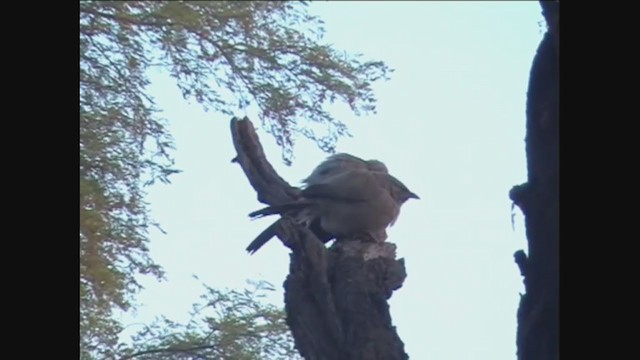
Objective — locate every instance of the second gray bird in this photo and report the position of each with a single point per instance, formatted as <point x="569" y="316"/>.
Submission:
<point x="340" y="163"/>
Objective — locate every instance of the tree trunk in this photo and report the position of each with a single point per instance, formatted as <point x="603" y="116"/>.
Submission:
<point x="537" y="336"/>
<point x="336" y="298"/>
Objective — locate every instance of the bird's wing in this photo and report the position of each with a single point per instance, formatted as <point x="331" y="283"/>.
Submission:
<point x="354" y="185"/>
<point x="334" y="165"/>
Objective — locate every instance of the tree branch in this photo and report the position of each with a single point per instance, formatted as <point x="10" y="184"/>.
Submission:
<point x="271" y="188"/>
<point x="166" y="350"/>
<point x="125" y="19"/>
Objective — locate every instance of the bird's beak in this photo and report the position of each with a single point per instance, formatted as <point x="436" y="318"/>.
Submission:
<point x="414" y="196"/>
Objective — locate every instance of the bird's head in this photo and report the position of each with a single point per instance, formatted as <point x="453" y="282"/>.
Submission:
<point x="400" y="192"/>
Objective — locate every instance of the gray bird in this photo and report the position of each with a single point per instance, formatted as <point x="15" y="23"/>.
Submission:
<point x="343" y="203"/>
<point x="333" y="165"/>
<point x="339" y="163"/>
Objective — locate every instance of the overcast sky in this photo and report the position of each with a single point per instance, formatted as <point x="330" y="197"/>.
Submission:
<point x="450" y="125"/>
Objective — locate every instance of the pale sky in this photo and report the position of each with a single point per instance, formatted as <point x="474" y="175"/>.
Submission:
<point x="450" y="125"/>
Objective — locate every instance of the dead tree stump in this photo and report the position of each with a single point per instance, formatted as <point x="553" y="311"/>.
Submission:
<point x="335" y="298"/>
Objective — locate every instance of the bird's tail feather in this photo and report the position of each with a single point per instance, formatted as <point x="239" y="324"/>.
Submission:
<point x="270" y="232"/>
<point x="278" y="209"/>
<point x="262" y="239"/>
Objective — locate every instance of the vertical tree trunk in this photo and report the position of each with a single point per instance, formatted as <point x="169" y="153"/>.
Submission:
<point x="537" y="336"/>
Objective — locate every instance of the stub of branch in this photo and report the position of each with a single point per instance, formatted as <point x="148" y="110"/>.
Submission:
<point x="521" y="260"/>
<point x="520" y="194"/>
<point x="336" y="298"/>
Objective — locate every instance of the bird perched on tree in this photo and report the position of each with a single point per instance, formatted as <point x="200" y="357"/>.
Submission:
<point x="333" y="165"/>
<point x="344" y="196"/>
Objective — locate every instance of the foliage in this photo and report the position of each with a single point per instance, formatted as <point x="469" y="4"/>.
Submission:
<point x="267" y="52"/>
<point x="225" y="325"/>
<point x="253" y="52"/>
